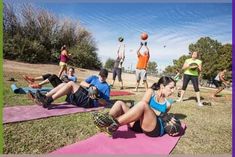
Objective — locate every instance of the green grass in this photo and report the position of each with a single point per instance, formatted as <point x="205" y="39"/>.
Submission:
<point x="209" y="128"/>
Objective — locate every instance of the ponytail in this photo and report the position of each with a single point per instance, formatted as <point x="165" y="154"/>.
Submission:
<point x="164" y="80"/>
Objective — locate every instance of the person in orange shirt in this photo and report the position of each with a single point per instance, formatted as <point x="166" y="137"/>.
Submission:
<point x="141" y="67"/>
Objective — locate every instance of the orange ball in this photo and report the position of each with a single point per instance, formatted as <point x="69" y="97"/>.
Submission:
<point x="144" y="36"/>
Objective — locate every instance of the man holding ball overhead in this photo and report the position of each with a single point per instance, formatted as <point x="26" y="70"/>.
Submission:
<point x="117" y="69"/>
<point x="142" y="63"/>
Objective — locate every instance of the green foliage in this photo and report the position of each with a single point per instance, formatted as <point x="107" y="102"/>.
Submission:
<point x="213" y="54"/>
<point x="109" y="64"/>
<point x="152" y="67"/>
<point x="36" y="36"/>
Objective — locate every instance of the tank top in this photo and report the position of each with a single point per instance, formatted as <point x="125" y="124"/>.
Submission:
<point x="64" y="58"/>
<point x="161" y="107"/>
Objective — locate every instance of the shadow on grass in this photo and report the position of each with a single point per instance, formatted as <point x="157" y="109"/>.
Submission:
<point x="180" y="116"/>
<point x="193" y="98"/>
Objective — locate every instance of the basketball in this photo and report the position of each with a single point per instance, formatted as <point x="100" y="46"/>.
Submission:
<point x="173" y="128"/>
<point x="144" y="36"/>
<point x="121" y="39"/>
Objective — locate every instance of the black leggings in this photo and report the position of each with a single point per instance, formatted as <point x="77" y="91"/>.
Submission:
<point x="194" y="80"/>
<point x="53" y="79"/>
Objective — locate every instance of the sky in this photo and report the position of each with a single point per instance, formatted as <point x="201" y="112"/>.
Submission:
<point x="171" y="26"/>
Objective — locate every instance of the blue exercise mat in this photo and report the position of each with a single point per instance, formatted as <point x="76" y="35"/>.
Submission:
<point x="25" y="90"/>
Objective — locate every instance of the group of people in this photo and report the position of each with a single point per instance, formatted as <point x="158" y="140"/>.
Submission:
<point x="148" y="116"/>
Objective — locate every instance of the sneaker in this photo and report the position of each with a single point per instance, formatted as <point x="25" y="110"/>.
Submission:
<point x="42" y="99"/>
<point x="145" y="44"/>
<point x="105" y="122"/>
<point x="200" y="104"/>
<point x="121" y="88"/>
<point x="28" y="79"/>
<point x="35" y="85"/>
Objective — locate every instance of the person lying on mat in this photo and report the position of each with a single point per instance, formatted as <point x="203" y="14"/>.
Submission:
<point x="51" y="78"/>
<point x="148" y="116"/>
<point x="92" y="92"/>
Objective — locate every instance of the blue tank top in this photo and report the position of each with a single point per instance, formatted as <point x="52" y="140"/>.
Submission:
<point x="161" y="107"/>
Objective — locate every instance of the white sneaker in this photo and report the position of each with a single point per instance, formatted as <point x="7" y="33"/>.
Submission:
<point x="200" y="104"/>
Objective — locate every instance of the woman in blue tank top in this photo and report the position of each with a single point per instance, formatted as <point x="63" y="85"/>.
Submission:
<point x="143" y="117"/>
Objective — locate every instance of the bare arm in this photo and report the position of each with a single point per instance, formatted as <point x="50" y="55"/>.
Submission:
<point x="185" y="66"/>
<point x="138" y="51"/>
<point x="147" y="96"/>
<point x="147" y="51"/>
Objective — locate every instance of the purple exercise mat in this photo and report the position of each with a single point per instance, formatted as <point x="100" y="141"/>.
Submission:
<point x="123" y="142"/>
<point x="30" y="112"/>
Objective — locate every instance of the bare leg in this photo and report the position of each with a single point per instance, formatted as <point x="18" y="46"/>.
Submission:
<point x="118" y="109"/>
<point x="113" y="83"/>
<point x="38" y="78"/>
<point x="66" y="89"/>
<point x="198" y="97"/>
<point x="62" y="68"/>
<point x="145" y="84"/>
<point x="181" y="95"/>
<point x="121" y="84"/>
<point x="218" y="91"/>
<point x="142" y="112"/>
<point x="137" y="85"/>
<point x="54" y="90"/>
<point x="44" y="82"/>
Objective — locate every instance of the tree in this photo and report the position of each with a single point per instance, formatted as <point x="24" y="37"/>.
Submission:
<point x="36" y="36"/>
<point x="152" y="67"/>
<point x="109" y="63"/>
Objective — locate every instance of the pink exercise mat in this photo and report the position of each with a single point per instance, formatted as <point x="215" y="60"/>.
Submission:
<point x="30" y="112"/>
<point x="124" y="141"/>
<point x="120" y="93"/>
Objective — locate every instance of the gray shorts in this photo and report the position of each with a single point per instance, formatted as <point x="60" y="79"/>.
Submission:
<point x="117" y="72"/>
<point x="141" y="74"/>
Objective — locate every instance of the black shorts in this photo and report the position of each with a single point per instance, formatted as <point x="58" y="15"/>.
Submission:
<point x="154" y="133"/>
<point x="80" y="98"/>
<point x="53" y="79"/>
<point x="117" y="72"/>
<point x="218" y="84"/>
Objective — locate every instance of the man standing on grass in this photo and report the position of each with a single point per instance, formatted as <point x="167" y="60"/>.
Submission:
<point x="141" y="67"/>
<point x="117" y="69"/>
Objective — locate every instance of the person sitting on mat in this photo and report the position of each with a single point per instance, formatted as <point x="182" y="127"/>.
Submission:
<point x="148" y="115"/>
<point x="97" y="94"/>
<point x="51" y="78"/>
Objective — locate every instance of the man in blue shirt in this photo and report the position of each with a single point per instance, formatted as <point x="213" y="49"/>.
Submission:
<point x="82" y="96"/>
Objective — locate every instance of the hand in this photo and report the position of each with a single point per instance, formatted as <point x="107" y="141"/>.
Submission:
<point x="93" y="92"/>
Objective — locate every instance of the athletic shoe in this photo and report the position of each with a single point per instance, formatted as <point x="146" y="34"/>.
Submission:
<point x="105" y="122"/>
<point x="35" y="85"/>
<point x="200" y="104"/>
<point x="145" y="44"/>
<point x="28" y="79"/>
<point x="42" y="99"/>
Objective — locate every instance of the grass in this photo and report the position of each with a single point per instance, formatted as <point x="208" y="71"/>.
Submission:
<point x="209" y="128"/>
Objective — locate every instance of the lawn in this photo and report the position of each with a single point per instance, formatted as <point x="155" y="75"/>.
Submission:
<point x="209" y="128"/>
